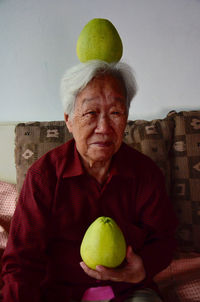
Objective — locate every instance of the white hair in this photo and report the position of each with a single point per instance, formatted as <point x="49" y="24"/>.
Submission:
<point x="76" y="79"/>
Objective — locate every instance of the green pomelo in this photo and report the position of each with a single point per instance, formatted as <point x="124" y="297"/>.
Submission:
<point x="103" y="244"/>
<point x="99" y="40"/>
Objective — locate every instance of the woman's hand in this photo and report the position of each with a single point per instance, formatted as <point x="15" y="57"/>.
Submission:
<point x="132" y="271"/>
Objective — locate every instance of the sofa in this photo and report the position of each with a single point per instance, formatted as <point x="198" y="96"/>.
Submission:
<point x="174" y="144"/>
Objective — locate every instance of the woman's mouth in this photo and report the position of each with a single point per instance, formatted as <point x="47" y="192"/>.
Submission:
<point x="103" y="144"/>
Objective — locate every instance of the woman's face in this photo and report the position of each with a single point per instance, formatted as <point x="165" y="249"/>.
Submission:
<point x="99" y="119"/>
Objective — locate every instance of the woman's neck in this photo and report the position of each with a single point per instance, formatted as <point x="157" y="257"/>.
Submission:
<point x="98" y="170"/>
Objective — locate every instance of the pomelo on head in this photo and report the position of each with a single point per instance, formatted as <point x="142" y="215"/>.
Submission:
<point x="103" y="244"/>
<point x="99" y="40"/>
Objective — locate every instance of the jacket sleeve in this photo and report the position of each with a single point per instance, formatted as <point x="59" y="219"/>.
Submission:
<point x="158" y="218"/>
<point x="25" y="257"/>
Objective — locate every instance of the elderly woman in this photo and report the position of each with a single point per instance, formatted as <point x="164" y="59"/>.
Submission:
<point x="92" y="175"/>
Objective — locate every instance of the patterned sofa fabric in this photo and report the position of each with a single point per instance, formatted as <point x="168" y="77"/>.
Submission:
<point x="185" y="167"/>
<point x="154" y="139"/>
<point x="32" y="140"/>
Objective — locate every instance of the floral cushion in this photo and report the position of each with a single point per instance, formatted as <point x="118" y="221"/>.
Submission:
<point x="8" y="197"/>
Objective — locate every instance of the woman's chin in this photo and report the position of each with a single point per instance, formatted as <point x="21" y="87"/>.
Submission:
<point x="101" y="155"/>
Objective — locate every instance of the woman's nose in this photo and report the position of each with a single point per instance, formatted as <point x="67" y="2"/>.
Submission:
<point x="103" y="124"/>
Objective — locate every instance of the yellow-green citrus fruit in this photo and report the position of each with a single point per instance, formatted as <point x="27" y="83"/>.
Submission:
<point x="99" y="40"/>
<point x="103" y="244"/>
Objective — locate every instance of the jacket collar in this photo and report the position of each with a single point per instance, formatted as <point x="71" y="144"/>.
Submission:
<point x="119" y="165"/>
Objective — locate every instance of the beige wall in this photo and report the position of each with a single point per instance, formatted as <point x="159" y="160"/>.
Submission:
<point x="7" y="165"/>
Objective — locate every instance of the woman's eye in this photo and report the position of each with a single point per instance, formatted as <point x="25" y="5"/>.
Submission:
<point x="115" y="113"/>
<point x="90" y="113"/>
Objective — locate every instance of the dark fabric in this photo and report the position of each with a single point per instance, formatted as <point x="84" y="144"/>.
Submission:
<point x="58" y="202"/>
<point x="144" y="295"/>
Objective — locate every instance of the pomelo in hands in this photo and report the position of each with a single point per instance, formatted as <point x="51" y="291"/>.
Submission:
<point x="99" y="40"/>
<point x="103" y="244"/>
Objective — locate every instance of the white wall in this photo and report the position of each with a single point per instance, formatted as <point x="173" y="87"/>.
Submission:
<point x="38" y="39"/>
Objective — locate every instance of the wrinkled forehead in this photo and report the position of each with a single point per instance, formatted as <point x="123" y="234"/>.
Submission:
<point x="105" y="84"/>
<point x="114" y="79"/>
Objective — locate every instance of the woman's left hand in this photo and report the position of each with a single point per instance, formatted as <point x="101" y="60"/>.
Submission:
<point x="132" y="271"/>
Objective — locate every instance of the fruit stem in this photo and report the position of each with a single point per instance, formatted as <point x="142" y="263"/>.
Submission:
<point x="106" y="220"/>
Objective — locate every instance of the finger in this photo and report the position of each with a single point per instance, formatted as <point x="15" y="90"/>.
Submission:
<point x="109" y="273"/>
<point x="130" y="255"/>
<point x="90" y="272"/>
<point x="103" y="273"/>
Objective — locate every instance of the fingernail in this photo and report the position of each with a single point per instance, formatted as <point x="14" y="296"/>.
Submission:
<point x="81" y="264"/>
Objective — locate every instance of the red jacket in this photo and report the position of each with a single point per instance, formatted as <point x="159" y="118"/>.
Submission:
<point x="58" y="202"/>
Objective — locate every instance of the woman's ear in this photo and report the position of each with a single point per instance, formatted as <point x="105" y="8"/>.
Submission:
<point x="68" y="122"/>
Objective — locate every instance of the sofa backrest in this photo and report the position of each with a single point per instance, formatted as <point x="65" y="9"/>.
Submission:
<point x="173" y="143"/>
<point x="32" y="140"/>
<point x="185" y="170"/>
